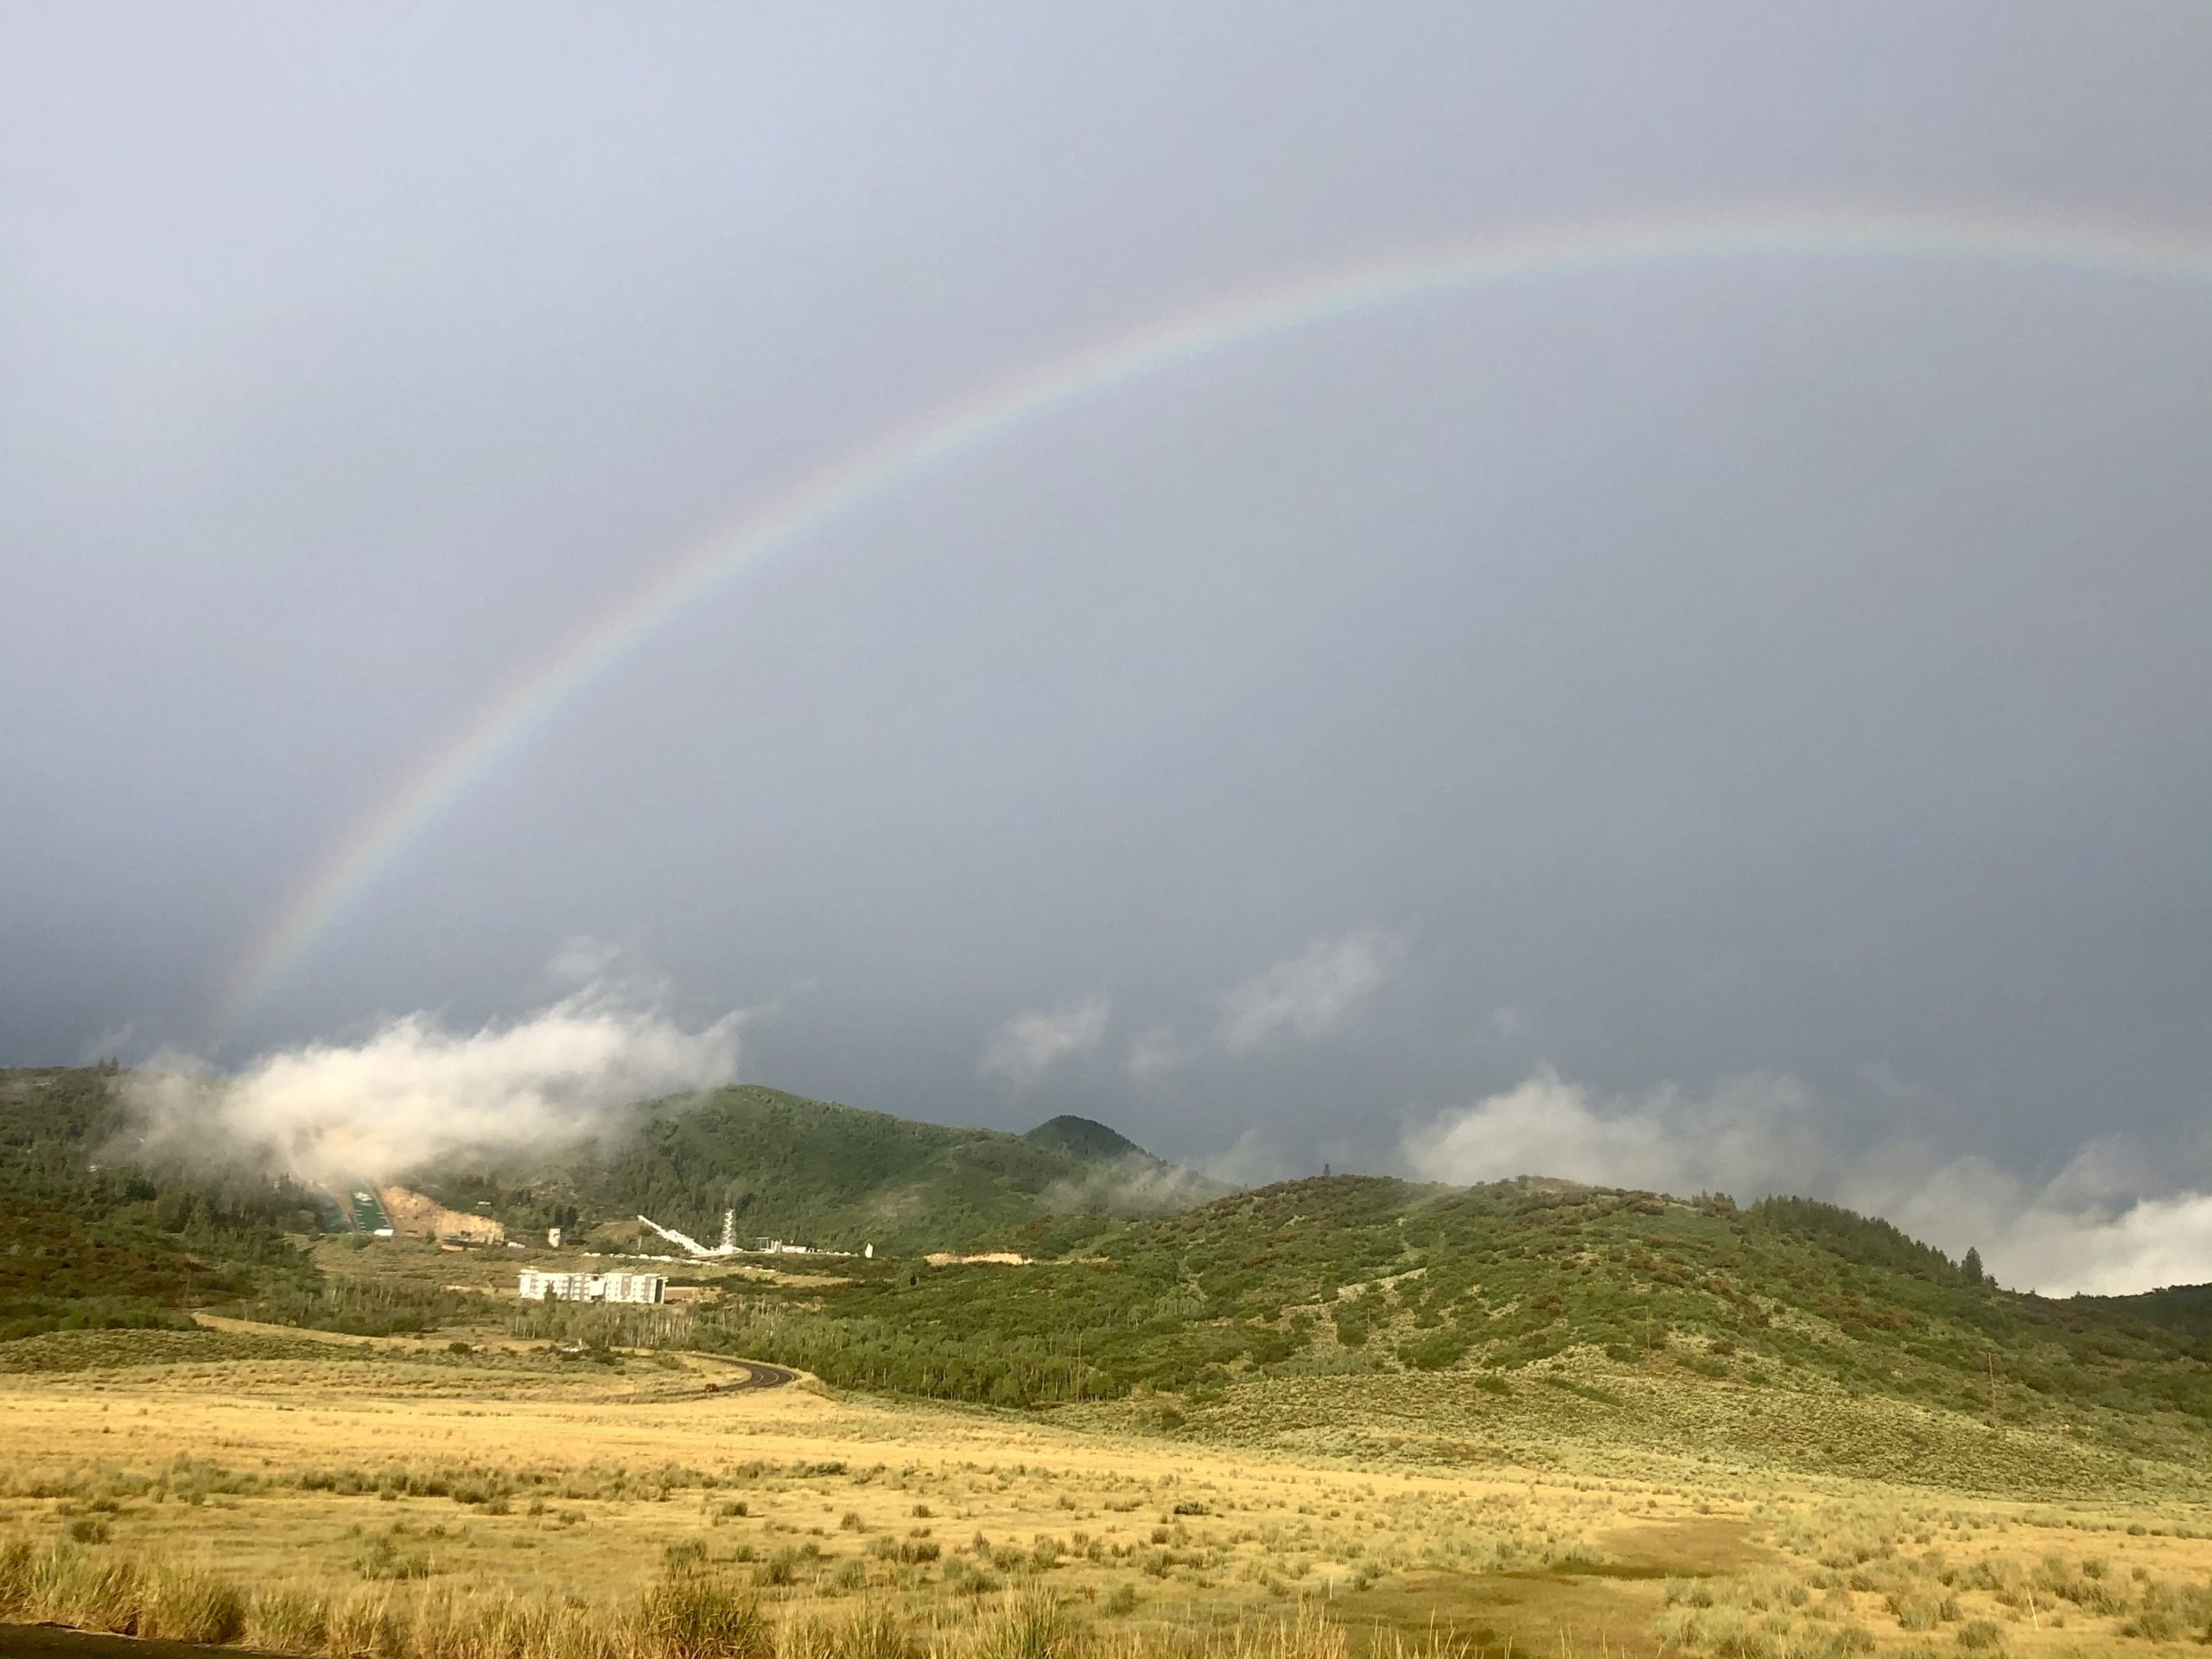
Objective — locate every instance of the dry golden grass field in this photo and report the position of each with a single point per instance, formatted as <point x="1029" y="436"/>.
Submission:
<point x="398" y="1499"/>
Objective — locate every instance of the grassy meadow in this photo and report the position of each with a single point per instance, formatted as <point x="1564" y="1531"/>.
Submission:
<point x="399" y="1497"/>
<point x="1323" y="1420"/>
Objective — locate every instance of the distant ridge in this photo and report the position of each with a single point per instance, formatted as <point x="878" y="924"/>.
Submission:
<point x="1788" y="1330"/>
<point x="1083" y="1137"/>
<point x="818" y="1172"/>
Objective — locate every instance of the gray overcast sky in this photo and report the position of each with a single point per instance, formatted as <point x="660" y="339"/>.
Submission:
<point x="1793" y="668"/>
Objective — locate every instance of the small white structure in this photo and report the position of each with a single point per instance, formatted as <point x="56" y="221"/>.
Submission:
<point x="552" y="1238"/>
<point x="691" y="1246"/>
<point x="592" y="1287"/>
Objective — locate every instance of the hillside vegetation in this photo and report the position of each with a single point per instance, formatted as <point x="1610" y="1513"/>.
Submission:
<point x="91" y="1240"/>
<point x="1626" y="1313"/>
<point x="1362" y="1275"/>
<point x="830" y="1175"/>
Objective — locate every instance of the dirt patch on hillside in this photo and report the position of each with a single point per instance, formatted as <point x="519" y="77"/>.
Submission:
<point x="411" y="1212"/>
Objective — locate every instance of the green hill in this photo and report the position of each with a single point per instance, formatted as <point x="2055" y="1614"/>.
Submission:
<point x="834" y="1176"/>
<point x="89" y="1242"/>
<point x="2185" y="1309"/>
<point x="1626" y="1313"/>
<point x="1084" y="1137"/>
<point x="87" y="1236"/>
<point x="1376" y="1316"/>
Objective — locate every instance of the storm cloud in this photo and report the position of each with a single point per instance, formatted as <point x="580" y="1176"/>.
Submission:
<point x="1765" y="673"/>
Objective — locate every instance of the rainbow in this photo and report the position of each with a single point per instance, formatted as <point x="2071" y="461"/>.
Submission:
<point x="381" y="839"/>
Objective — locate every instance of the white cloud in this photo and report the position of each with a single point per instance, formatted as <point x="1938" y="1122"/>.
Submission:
<point x="1311" y="993"/>
<point x="1154" y="1053"/>
<point x="1032" y="1043"/>
<point x="1252" y="1159"/>
<point x="413" y="1092"/>
<point x="1134" y="1184"/>
<point x="2105" y="1224"/>
<point x="2052" y="1236"/>
<point x="1754" y="1133"/>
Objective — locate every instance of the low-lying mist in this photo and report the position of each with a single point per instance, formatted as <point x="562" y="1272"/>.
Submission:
<point x="412" y="1092"/>
<point x="2114" y="1220"/>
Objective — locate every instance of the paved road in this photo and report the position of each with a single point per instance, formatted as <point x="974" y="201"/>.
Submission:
<point x="728" y="1377"/>
<point x="761" y="1377"/>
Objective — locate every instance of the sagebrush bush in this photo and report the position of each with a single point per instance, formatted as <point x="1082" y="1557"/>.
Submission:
<point x="287" y="1621"/>
<point x="67" y="1586"/>
<point x="187" y="1605"/>
<point x="691" y="1613"/>
<point x="875" y="1632"/>
<point x="357" y="1624"/>
<point x="1029" y="1626"/>
<point x="15" y="1578"/>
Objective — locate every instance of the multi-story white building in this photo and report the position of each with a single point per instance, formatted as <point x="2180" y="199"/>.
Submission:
<point x="592" y="1287"/>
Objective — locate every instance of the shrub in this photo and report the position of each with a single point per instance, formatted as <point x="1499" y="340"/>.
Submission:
<point x="361" y="1622"/>
<point x="1030" y="1626"/>
<point x="911" y="1551"/>
<point x="963" y="1577"/>
<point x="1980" y="1635"/>
<point x="15" y="1578"/>
<point x="287" y="1621"/>
<point x="691" y="1614"/>
<point x="69" y="1587"/>
<point x="383" y="1559"/>
<point x="184" y="1604"/>
<point x="874" y="1631"/>
<point x="1921" y="1610"/>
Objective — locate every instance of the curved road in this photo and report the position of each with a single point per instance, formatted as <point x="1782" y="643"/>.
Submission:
<point x="731" y="1376"/>
<point x="759" y="1376"/>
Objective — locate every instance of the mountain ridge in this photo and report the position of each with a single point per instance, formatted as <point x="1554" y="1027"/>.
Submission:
<point x="823" y="1173"/>
<point x="1131" y="1279"/>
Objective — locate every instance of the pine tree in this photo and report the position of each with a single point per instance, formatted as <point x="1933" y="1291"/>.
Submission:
<point x="1970" y="1269"/>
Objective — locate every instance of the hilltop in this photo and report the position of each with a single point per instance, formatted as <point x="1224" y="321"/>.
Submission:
<point x="1083" y="1137"/>
<point x="1824" y="1339"/>
<point x="1788" y="1329"/>
<point x="89" y="1237"/>
<point x="832" y="1175"/>
<point x="85" y="1243"/>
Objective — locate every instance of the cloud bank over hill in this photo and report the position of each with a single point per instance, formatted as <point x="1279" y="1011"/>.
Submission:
<point x="1026" y="1047"/>
<point x="1311" y="994"/>
<point x="2111" y="1221"/>
<point x="412" y="1091"/>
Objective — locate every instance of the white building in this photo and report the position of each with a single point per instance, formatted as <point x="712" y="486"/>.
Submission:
<point x="592" y="1287"/>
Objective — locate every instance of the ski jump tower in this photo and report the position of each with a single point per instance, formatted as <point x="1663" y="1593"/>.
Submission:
<point x="691" y="1246"/>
